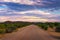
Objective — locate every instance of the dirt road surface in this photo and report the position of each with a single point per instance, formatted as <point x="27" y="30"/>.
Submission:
<point x="31" y="32"/>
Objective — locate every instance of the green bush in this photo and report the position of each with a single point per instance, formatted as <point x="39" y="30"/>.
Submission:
<point x="51" y="25"/>
<point x="2" y="26"/>
<point x="46" y="28"/>
<point x="11" y="26"/>
<point x="10" y="29"/>
<point x="43" y="25"/>
<point x="2" y="31"/>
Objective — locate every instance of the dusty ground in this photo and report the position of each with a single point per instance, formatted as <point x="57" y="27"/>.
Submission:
<point x="31" y="32"/>
<point x="53" y="33"/>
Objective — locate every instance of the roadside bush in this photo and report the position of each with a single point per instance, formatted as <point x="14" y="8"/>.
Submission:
<point x="2" y="31"/>
<point x="2" y="26"/>
<point x="51" y="25"/>
<point x="10" y="29"/>
<point x="46" y="27"/>
<point x="57" y="29"/>
<point x="43" y="26"/>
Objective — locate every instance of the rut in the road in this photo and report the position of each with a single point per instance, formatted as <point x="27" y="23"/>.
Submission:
<point x="31" y="32"/>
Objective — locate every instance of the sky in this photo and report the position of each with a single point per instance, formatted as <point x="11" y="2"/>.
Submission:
<point x="30" y="10"/>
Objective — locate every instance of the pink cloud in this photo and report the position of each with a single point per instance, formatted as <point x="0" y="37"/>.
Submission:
<point x="27" y="2"/>
<point x="26" y="18"/>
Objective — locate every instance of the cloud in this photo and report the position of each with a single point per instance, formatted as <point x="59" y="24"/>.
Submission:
<point x="35" y="16"/>
<point x="24" y="18"/>
<point x="20" y="1"/>
<point x="27" y="2"/>
<point x="35" y="12"/>
<point x="38" y="13"/>
<point x="29" y="12"/>
<point x="3" y="7"/>
<point x="3" y="18"/>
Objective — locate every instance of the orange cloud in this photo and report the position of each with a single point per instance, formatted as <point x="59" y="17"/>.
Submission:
<point x="24" y="18"/>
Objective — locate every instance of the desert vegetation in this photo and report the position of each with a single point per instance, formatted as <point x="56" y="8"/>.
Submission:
<point x="52" y="25"/>
<point x="8" y="26"/>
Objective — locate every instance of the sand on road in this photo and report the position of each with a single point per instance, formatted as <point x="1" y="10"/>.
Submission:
<point x="31" y="32"/>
